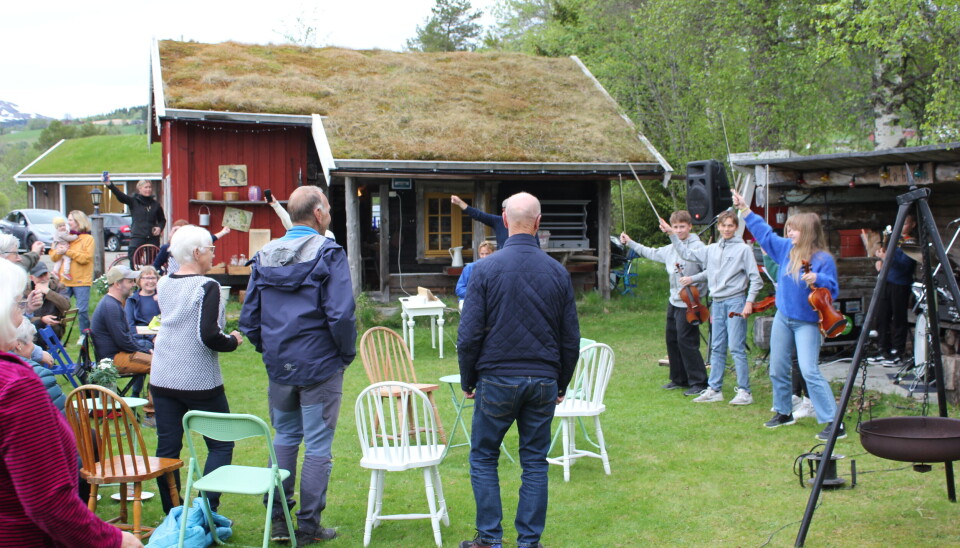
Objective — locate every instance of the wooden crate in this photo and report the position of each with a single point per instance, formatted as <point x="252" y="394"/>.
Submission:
<point x="234" y="270"/>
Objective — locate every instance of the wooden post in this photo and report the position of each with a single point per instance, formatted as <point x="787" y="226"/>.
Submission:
<point x="385" y="240"/>
<point x="99" y="264"/>
<point x="603" y="238"/>
<point x="480" y="202"/>
<point x="353" y="233"/>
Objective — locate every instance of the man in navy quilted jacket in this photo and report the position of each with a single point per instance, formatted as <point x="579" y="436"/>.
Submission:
<point x="518" y="344"/>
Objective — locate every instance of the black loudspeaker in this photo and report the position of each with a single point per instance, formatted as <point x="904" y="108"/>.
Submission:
<point x="708" y="192"/>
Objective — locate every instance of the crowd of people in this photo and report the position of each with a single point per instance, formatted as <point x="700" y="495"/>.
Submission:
<point x="299" y="315"/>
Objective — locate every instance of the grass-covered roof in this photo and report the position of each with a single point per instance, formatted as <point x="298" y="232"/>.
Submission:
<point x="114" y="153"/>
<point x="460" y="106"/>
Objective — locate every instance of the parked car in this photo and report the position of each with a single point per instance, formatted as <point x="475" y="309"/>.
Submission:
<point x="116" y="231"/>
<point x="30" y="225"/>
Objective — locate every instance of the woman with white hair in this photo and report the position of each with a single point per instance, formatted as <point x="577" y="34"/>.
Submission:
<point x="80" y="252"/>
<point x="186" y="367"/>
<point x="38" y="455"/>
<point x="147" y="218"/>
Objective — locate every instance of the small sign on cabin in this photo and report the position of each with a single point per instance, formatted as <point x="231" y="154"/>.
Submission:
<point x="233" y="175"/>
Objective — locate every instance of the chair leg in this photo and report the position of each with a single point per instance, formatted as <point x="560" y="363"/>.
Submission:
<point x="603" y="446"/>
<point x="208" y="514"/>
<point x="371" y="507"/>
<point x="432" y="503"/>
<point x="438" y="486"/>
<point x="172" y="486"/>
<point x="436" y="416"/>
<point x="266" y="524"/>
<point x="137" y="509"/>
<point x="381" y="476"/>
<point x="286" y="510"/>
<point x="92" y="500"/>
<point x="568" y="446"/>
<point x="186" y="502"/>
<point x="123" y="503"/>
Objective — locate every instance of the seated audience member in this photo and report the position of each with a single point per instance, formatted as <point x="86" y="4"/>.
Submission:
<point x="39" y="455"/>
<point x="23" y="346"/>
<point x="111" y="333"/>
<point x="142" y="306"/>
<point x="54" y="304"/>
<point x="9" y="250"/>
<point x="486" y="248"/>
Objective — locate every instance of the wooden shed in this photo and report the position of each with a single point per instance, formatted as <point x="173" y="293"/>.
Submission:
<point x="390" y="137"/>
<point x="853" y="191"/>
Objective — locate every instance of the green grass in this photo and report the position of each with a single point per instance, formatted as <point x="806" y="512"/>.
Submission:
<point x="683" y="474"/>
<point x="116" y="153"/>
<point x="28" y="136"/>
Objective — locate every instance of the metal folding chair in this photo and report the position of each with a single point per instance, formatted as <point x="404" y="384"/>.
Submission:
<point x="65" y="365"/>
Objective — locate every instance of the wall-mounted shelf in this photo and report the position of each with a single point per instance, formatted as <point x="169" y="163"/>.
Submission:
<point x="233" y="202"/>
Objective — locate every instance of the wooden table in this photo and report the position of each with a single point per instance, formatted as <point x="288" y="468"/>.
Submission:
<point x="411" y="307"/>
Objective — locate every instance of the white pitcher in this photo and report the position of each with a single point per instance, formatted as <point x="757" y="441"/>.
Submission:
<point x="457" y="254"/>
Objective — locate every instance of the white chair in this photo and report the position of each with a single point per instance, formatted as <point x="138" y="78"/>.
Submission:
<point x="398" y="431"/>
<point x="584" y="398"/>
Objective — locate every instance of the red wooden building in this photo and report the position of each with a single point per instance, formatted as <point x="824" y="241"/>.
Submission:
<point x="389" y="137"/>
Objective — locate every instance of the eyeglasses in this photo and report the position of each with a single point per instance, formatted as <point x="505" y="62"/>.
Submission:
<point x="22" y="305"/>
<point x="148" y="278"/>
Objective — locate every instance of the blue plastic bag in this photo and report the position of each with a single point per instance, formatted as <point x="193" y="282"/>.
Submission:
<point x="167" y="534"/>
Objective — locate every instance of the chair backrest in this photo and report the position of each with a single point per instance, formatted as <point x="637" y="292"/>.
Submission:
<point x="226" y="427"/>
<point x="145" y="255"/>
<point x="105" y="426"/>
<point x="66" y="322"/>
<point x="56" y="349"/>
<point x="385" y="356"/>
<point x="396" y="420"/>
<point x="591" y="376"/>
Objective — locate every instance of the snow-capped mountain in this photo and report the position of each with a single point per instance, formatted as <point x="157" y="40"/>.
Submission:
<point x="9" y="114"/>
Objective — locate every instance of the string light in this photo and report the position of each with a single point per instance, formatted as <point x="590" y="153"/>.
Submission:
<point x="800" y="180"/>
<point x="825" y="178"/>
<point x="853" y="181"/>
<point x="884" y="173"/>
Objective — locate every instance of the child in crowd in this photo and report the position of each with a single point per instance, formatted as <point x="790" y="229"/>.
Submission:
<point x="62" y="237"/>
<point x="485" y="249"/>
<point x="687" y="369"/>
<point x="796" y="327"/>
<point x="733" y="278"/>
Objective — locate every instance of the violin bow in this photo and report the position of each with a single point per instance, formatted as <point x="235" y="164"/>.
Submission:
<point x="639" y="182"/>
<point x="623" y="214"/>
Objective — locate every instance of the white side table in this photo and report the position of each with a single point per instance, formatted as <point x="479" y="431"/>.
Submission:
<point x="411" y="307"/>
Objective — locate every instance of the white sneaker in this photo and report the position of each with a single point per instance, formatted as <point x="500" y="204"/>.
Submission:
<point x="742" y="398"/>
<point x="709" y="396"/>
<point x="804" y="409"/>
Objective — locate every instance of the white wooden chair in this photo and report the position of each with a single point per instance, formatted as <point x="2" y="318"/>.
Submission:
<point x="584" y="398"/>
<point x="398" y="431"/>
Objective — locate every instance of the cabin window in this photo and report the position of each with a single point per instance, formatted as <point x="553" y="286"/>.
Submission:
<point x="446" y="225"/>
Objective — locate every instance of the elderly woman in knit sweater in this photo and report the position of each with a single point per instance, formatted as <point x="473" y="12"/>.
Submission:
<point x="38" y="455"/>
<point x="186" y="367"/>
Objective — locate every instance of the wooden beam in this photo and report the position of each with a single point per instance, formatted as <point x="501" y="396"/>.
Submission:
<point x="385" y="240"/>
<point x="603" y="238"/>
<point x="352" y="206"/>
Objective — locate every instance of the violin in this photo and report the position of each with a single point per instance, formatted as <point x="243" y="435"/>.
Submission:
<point x="762" y="305"/>
<point x="697" y="313"/>
<point x="832" y="323"/>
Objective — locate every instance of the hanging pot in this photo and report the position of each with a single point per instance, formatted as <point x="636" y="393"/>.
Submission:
<point x="204" y="216"/>
<point x="912" y="439"/>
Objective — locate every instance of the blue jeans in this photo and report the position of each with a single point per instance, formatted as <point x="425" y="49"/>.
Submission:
<point x="169" y="412"/>
<point x="728" y="333"/>
<point x="305" y="414"/>
<point x="786" y="337"/>
<point x="82" y="293"/>
<point x="499" y="401"/>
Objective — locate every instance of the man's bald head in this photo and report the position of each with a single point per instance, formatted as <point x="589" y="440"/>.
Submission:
<point x="303" y="204"/>
<point x="522" y="214"/>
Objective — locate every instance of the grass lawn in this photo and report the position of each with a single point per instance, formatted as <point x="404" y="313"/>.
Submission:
<point x="683" y="474"/>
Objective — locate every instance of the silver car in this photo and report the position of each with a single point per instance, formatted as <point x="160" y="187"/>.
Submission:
<point x="31" y="225"/>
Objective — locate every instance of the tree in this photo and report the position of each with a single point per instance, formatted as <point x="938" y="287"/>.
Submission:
<point x="452" y="27"/>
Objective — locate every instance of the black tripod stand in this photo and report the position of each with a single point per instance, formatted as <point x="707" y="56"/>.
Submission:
<point x="929" y="240"/>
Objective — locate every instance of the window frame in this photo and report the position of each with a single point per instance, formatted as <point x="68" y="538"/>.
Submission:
<point x="431" y="189"/>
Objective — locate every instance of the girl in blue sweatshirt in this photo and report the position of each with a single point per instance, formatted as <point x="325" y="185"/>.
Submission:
<point x="797" y="324"/>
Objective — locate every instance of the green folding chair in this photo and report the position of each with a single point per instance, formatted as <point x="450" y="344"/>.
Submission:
<point x="242" y="480"/>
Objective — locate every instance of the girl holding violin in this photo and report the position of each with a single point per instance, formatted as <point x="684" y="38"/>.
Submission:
<point x="687" y="369"/>
<point x="805" y="265"/>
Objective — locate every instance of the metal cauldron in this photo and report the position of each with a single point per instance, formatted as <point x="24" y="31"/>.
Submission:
<point x="912" y="439"/>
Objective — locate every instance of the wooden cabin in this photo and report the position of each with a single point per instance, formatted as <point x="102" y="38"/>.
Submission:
<point x="390" y="137"/>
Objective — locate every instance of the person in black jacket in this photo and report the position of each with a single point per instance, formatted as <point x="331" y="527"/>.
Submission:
<point x="518" y="344"/>
<point x="148" y="219"/>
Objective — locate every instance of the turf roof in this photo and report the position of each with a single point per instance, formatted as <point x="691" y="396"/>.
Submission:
<point x="115" y="153"/>
<point x="460" y="106"/>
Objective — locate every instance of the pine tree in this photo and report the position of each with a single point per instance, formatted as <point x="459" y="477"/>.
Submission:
<point x="452" y="27"/>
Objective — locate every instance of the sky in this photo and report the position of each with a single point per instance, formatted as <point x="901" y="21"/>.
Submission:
<point x="73" y="59"/>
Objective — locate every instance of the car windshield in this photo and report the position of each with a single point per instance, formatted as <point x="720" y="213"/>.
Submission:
<point x="41" y="216"/>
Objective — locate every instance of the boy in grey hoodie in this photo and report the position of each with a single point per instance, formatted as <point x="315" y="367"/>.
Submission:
<point x="683" y="339"/>
<point x="733" y="278"/>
